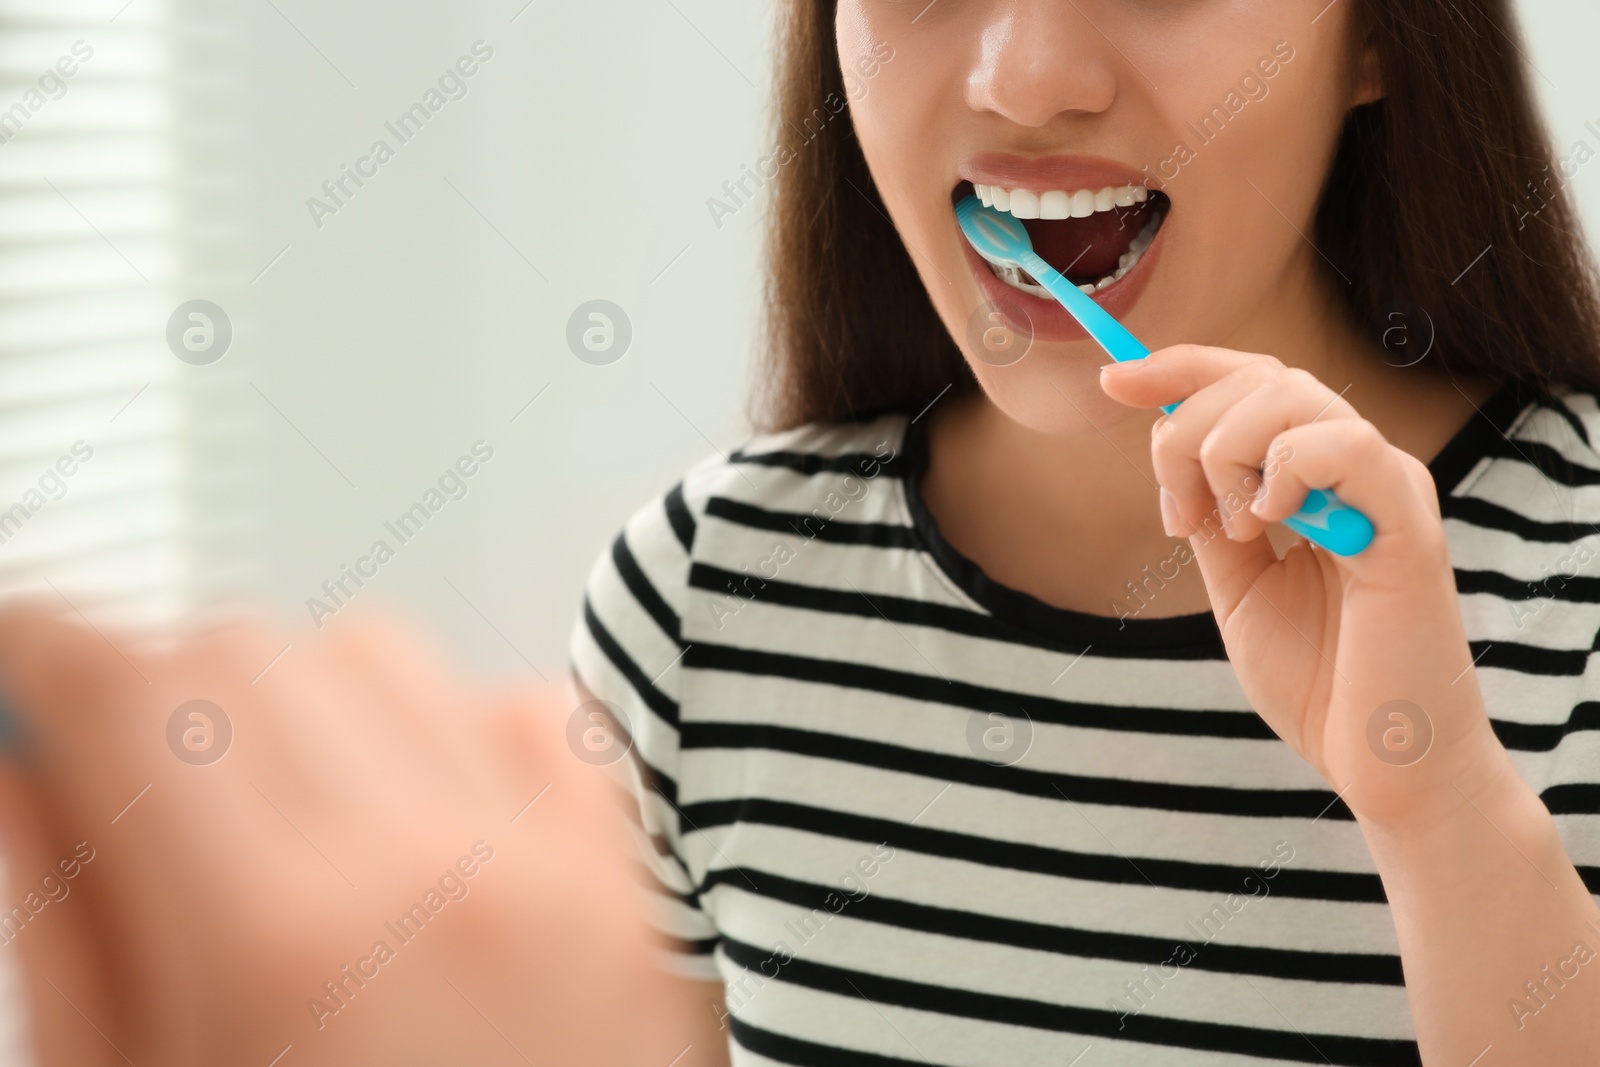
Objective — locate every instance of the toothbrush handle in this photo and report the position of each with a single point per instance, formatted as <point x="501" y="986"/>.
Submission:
<point x="1331" y="523"/>
<point x="1323" y="519"/>
<point x="1110" y="334"/>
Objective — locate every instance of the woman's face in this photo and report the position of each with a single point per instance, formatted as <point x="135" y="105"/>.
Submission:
<point x="1068" y="113"/>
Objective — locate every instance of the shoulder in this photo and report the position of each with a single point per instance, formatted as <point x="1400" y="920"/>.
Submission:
<point x="1526" y="466"/>
<point x="1567" y="424"/>
<point x="1521" y="506"/>
<point x="776" y="473"/>
<point x="635" y="594"/>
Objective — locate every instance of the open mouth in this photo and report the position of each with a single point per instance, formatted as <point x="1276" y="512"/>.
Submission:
<point x="1093" y="237"/>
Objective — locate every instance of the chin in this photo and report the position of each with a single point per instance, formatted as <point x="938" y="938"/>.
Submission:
<point x="1055" y="390"/>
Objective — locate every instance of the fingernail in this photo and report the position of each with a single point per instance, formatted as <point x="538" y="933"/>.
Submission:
<point x="1170" y="519"/>
<point x="1258" y="502"/>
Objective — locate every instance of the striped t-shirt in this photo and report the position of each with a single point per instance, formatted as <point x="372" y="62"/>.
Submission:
<point x="911" y="816"/>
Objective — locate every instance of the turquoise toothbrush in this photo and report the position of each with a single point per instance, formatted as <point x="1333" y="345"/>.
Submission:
<point x="1001" y="239"/>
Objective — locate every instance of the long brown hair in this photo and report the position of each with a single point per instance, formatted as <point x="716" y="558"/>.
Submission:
<point x="1444" y="195"/>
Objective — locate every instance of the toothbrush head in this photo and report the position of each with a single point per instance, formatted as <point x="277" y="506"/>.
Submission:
<point x="998" y="237"/>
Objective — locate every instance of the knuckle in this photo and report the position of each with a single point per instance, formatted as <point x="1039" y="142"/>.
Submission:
<point x="1279" y="452"/>
<point x="1262" y="368"/>
<point x="1368" y="437"/>
<point x="1421" y="478"/>
<point x="1255" y="370"/>
<point x="1254" y="376"/>
<point x="1166" y="470"/>
<point x="1300" y="378"/>
<point x="1162" y="447"/>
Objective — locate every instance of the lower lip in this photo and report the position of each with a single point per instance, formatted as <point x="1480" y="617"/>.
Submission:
<point x="1048" y="320"/>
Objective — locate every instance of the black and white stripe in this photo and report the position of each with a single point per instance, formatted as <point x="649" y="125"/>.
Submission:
<point x="801" y="658"/>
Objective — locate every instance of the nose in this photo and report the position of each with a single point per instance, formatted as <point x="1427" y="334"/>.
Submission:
<point x="1038" y="59"/>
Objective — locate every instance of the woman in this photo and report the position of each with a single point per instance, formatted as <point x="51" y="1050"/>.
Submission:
<point x="982" y="716"/>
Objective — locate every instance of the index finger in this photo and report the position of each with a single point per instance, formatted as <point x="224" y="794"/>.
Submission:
<point x="1173" y="374"/>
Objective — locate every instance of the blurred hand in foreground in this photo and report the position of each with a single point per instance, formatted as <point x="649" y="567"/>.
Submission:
<point x="387" y="864"/>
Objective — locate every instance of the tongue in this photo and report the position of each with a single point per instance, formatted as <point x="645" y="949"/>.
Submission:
<point x="1087" y="249"/>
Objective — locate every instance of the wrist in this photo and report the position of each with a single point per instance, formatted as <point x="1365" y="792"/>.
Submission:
<point x="1471" y="773"/>
<point x="1476" y="790"/>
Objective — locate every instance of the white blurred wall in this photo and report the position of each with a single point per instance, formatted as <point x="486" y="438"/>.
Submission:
<point x="1559" y="37"/>
<point x="425" y="313"/>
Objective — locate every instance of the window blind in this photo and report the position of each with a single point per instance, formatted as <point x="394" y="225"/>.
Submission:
<point x="91" y="509"/>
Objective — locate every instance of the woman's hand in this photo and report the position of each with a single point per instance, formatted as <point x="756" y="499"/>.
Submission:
<point x="227" y="897"/>
<point x="1360" y="663"/>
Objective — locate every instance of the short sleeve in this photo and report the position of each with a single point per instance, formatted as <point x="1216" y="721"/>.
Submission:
<point x="626" y="649"/>
<point x="1556" y="621"/>
<point x="1571" y="789"/>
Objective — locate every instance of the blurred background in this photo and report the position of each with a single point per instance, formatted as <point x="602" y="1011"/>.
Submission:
<point x="381" y="326"/>
<point x="370" y="314"/>
<point x="239" y="341"/>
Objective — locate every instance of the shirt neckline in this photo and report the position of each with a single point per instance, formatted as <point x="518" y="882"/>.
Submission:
<point x="1195" y="632"/>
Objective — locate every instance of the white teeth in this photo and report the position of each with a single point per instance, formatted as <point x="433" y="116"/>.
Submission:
<point x="1050" y="204"/>
<point x="1059" y="203"/>
<point x="1018" y="278"/>
<point x="1055" y="205"/>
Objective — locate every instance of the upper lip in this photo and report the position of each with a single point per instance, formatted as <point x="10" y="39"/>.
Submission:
<point x="1043" y="173"/>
